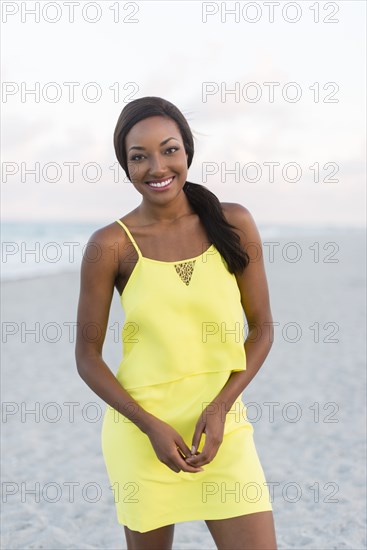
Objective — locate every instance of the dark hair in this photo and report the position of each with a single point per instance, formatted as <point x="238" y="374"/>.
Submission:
<point x="203" y="201"/>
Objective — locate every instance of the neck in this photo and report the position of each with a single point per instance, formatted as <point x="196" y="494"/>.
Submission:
<point x="165" y="213"/>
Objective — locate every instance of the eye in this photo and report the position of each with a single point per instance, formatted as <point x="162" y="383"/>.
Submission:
<point x="135" y="158"/>
<point x="172" y="148"/>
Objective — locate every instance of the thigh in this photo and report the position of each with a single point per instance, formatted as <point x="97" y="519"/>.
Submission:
<point x="249" y="532"/>
<point x="157" y="539"/>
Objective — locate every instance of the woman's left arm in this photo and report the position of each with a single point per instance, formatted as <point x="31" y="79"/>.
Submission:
<point x="255" y="301"/>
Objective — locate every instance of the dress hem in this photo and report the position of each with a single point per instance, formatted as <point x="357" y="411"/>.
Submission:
<point x="162" y="522"/>
<point x="187" y="375"/>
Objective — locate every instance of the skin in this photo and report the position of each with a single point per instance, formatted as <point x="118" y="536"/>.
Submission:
<point x="167" y="229"/>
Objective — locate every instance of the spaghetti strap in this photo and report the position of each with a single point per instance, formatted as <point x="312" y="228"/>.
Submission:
<point x="131" y="238"/>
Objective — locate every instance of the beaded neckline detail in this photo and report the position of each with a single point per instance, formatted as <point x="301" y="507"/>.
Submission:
<point x="185" y="271"/>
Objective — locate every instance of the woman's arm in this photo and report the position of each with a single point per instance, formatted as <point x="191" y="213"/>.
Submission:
<point x="255" y="301"/>
<point x="256" y="304"/>
<point x="96" y="289"/>
<point x="99" y="269"/>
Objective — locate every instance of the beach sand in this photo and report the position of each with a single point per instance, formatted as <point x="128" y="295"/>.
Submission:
<point x="307" y="406"/>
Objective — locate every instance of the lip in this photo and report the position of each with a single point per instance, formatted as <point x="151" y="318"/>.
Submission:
<point x="160" y="181"/>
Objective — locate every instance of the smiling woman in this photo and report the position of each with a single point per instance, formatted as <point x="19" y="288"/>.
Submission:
<point x="176" y="440"/>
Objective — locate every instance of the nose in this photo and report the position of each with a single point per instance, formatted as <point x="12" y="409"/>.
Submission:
<point x="157" y="166"/>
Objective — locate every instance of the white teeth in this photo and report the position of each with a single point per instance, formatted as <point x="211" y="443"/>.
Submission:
<point x="161" y="184"/>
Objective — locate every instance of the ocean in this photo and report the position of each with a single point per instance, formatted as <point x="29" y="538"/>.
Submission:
<point x="29" y="249"/>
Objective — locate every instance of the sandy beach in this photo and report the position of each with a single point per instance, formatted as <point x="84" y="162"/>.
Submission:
<point x="307" y="405"/>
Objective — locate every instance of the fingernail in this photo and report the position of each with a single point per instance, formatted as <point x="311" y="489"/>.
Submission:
<point x="193" y="450"/>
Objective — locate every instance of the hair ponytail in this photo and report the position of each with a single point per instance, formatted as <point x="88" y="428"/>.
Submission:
<point x="220" y="232"/>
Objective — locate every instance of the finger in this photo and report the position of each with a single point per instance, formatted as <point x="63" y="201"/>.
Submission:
<point x="188" y="467"/>
<point x="194" y="457"/>
<point x="178" y="462"/>
<point x="197" y="437"/>
<point x="209" y="451"/>
<point x="199" y="460"/>
<point x="181" y="445"/>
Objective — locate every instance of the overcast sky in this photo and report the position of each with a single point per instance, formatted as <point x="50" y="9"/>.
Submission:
<point x="170" y="51"/>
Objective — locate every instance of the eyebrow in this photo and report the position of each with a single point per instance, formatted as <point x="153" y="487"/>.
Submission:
<point x="162" y="143"/>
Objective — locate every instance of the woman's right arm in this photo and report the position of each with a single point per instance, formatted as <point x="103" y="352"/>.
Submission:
<point x="99" y="269"/>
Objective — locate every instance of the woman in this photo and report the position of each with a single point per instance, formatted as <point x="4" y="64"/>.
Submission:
<point x="176" y="440"/>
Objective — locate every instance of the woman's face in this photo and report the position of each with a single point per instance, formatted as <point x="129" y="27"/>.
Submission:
<point x="156" y="158"/>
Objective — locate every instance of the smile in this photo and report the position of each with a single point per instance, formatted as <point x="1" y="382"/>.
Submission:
<point x="160" y="184"/>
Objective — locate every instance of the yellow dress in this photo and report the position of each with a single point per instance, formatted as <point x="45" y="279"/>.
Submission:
<point x="182" y="338"/>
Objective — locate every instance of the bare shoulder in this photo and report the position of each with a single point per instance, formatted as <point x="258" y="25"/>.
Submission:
<point x="104" y="234"/>
<point x="109" y="240"/>
<point x="234" y="209"/>
<point x="241" y="218"/>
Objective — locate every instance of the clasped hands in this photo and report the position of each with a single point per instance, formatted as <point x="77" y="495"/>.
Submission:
<point x="172" y="450"/>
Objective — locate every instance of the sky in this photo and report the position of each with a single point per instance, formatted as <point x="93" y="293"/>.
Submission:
<point x="310" y="54"/>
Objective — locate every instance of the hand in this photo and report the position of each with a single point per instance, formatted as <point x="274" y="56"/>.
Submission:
<point x="211" y="422"/>
<point x="169" y="447"/>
